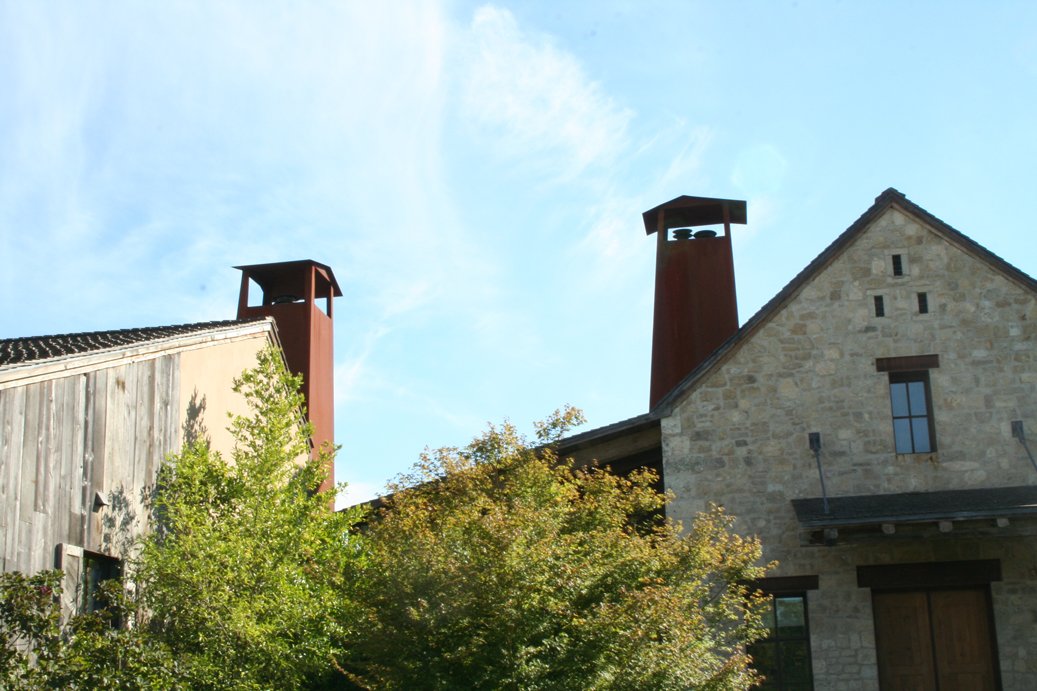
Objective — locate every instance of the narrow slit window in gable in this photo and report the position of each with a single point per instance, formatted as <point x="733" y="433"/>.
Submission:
<point x="898" y="265"/>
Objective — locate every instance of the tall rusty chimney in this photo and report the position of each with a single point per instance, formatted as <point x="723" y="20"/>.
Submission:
<point x="299" y="296"/>
<point x="695" y="306"/>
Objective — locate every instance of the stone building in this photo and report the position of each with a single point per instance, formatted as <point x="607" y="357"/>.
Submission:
<point x="86" y="419"/>
<point x="869" y="425"/>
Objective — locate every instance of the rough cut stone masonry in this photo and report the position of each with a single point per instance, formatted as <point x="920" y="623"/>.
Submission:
<point x="739" y="438"/>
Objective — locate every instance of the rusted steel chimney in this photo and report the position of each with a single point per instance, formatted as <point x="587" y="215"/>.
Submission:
<point x="299" y="296"/>
<point x="695" y="307"/>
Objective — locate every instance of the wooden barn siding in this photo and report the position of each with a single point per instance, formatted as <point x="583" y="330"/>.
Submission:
<point x="63" y="439"/>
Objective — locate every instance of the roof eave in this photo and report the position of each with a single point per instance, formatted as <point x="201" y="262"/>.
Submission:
<point x="889" y="198"/>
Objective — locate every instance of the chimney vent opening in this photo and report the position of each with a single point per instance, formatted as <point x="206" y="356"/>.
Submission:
<point x="689" y="234"/>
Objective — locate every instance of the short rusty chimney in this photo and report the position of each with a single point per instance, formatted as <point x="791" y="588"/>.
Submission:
<point x="695" y="307"/>
<point x="299" y="296"/>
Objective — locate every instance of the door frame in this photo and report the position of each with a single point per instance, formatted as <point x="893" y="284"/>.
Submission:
<point x="929" y="577"/>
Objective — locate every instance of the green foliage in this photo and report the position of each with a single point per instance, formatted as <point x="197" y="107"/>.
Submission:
<point x="495" y="566"/>
<point x="85" y="652"/>
<point x="29" y="627"/>
<point x="243" y="574"/>
<point x="239" y="584"/>
<point x="498" y="566"/>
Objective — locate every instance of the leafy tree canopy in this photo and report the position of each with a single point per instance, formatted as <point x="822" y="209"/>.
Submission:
<point x="240" y="583"/>
<point x="493" y="566"/>
<point x="500" y="566"/>
<point x="243" y="575"/>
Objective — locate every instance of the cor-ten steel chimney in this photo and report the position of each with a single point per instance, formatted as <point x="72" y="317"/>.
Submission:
<point x="695" y="306"/>
<point x="299" y="296"/>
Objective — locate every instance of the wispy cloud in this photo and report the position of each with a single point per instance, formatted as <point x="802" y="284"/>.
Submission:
<point x="534" y="98"/>
<point x="759" y="173"/>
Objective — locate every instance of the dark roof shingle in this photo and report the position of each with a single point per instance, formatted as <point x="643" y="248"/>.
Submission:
<point x="956" y="504"/>
<point x="883" y="202"/>
<point x="34" y="348"/>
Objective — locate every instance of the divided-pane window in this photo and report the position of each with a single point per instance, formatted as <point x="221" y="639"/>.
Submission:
<point x="912" y="417"/>
<point x="783" y="657"/>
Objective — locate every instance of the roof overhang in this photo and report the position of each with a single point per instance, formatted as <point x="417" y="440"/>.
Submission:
<point x="914" y="514"/>
<point x="267" y="276"/>
<point x="154" y="342"/>
<point x="695" y="211"/>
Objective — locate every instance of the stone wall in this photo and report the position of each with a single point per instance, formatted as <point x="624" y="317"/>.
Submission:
<point x="739" y="438"/>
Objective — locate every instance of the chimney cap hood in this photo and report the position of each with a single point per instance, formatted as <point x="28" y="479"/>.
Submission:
<point x="271" y="277"/>
<point x="685" y="211"/>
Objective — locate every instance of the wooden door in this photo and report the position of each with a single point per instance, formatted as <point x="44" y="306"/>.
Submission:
<point x="904" y="642"/>
<point x="938" y="640"/>
<point x="963" y="641"/>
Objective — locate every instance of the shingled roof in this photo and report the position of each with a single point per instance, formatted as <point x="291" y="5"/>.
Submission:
<point x="883" y="202"/>
<point x="957" y="504"/>
<point x="891" y="197"/>
<point x="14" y="351"/>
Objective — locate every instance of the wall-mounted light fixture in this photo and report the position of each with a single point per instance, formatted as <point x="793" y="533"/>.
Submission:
<point x="814" y="440"/>
<point x="1018" y="433"/>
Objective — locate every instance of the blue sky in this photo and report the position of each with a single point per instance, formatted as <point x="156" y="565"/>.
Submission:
<point x="475" y="173"/>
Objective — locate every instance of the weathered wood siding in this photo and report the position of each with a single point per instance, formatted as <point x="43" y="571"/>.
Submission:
<point x="65" y="439"/>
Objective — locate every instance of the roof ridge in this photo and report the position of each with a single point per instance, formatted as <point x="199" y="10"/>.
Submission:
<point x="889" y="196"/>
<point x="129" y="329"/>
<point x="37" y="348"/>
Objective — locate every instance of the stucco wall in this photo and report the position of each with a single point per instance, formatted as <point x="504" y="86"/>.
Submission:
<point x="206" y="386"/>
<point x="739" y="438"/>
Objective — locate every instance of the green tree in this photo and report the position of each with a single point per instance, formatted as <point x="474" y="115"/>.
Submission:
<point x="243" y="574"/>
<point x="42" y="651"/>
<point x="501" y="566"/>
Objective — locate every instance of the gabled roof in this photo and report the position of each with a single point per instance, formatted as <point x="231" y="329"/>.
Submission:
<point x="883" y="202"/>
<point x="16" y="351"/>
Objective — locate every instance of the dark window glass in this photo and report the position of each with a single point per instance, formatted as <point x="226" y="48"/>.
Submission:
<point x="923" y="303"/>
<point x="898" y="265"/>
<point x="880" y="306"/>
<point x="783" y="657"/>
<point x="98" y="568"/>
<point x="909" y="399"/>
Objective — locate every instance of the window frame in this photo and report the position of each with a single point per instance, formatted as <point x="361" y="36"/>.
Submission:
<point x="880" y="305"/>
<point x="777" y="641"/>
<point x="907" y="368"/>
<point x="97" y="569"/>
<point x="912" y="416"/>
